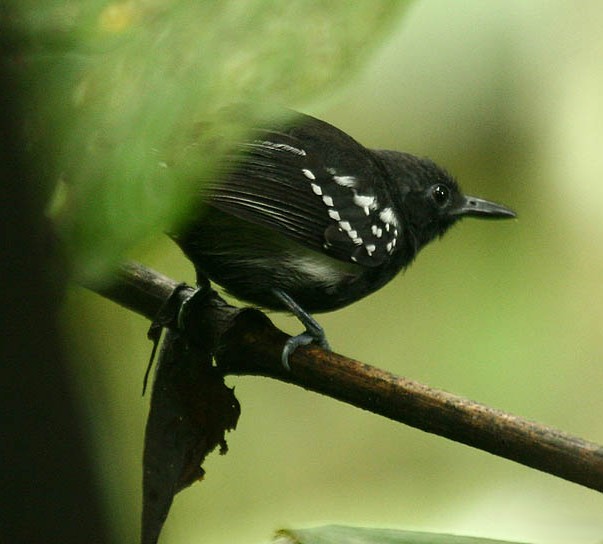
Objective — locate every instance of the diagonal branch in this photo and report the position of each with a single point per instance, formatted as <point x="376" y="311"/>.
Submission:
<point x="250" y="344"/>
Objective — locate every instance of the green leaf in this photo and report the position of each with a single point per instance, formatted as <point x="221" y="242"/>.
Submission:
<point x="336" y="534"/>
<point x="123" y="100"/>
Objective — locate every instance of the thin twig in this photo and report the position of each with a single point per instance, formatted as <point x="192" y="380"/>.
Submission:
<point x="253" y="346"/>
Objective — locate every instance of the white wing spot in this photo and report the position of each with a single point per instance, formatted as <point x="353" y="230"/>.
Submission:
<point x="316" y="189"/>
<point x="364" y="201"/>
<point x="389" y="247"/>
<point x="355" y="238"/>
<point x="354" y="259"/>
<point x="370" y="249"/>
<point x="345" y="181"/>
<point x="328" y="201"/>
<point x="334" y="214"/>
<point x="308" y="174"/>
<point x="330" y="171"/>
<point x="345" y="225"/>
<point x="283" y="147"/>
<point x="388" y="217"/>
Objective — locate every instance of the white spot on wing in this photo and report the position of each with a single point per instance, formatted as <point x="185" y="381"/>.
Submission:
<point x="370" y="249"/>
<point x="355" y="238"/>
<point x="388" y="217"/>
<point x="327" y="200"/>
<point x="345" y="225"/>
<point x="316" y="189"/>
<point x="334" y="214"/>
<point x="345" y="181"/>
<point x="363" y="200"/>
<point x="377" y="231"/>
<point x="283" y="147"/>
<point x="308" y="174"/>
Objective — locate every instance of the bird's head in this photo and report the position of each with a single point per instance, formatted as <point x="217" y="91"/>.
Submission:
<point x="430" y="200"/>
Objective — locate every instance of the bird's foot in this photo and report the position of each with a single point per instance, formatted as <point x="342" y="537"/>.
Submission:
<point x="303" y="339"/>
<point x="314" y="332"/>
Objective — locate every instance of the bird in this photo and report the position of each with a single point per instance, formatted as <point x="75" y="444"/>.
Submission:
<point x="303" y="218"/>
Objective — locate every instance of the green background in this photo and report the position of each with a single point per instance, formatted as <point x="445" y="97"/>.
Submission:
<point x="508" y="96"/>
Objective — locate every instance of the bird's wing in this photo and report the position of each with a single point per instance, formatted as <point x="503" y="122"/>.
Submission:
<point x="314" y="184"/>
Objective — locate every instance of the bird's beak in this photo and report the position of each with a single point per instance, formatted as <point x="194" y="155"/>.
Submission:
<point x="484" y="209"/>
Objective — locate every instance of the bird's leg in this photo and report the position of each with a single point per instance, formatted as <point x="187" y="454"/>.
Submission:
<point x="314" y="332"/>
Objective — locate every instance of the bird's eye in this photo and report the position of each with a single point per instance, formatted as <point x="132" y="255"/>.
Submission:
<point x="440" y="195"/>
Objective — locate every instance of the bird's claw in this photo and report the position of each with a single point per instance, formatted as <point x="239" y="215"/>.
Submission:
<point x="315" y="336"/>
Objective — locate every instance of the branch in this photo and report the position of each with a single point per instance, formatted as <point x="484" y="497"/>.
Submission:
<point x="250" y="344"/>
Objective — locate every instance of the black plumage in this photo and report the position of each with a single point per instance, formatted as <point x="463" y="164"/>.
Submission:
<point x="306" y="211"/>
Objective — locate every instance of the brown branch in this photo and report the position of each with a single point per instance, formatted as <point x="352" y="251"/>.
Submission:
<point x="252" y="345"/>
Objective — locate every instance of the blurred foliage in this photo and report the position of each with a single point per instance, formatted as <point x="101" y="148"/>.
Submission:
<point x="124" y="100"/>
<point x="333" y="534"/>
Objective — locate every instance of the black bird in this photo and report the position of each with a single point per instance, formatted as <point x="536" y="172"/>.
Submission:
<point x="306" y="219"/>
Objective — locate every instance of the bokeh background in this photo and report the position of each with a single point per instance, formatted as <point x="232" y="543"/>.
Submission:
<point x="508" y="95"/>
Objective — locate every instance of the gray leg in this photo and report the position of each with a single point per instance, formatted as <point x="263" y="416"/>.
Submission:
<point x="314" y="332"/>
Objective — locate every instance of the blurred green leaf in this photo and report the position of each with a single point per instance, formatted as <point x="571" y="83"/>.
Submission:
<point x="336" y="534"/>
<point x="123" y="100"/>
